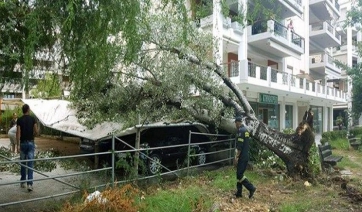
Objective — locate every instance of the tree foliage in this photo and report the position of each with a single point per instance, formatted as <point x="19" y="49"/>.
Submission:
<point x="49" y="87"/>
<point x="354" y="19"/>
<point x="128" y="59"/>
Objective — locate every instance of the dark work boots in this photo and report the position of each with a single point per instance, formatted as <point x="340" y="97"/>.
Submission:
<point x="239" y="191"/>
<point x="251" y="188"/>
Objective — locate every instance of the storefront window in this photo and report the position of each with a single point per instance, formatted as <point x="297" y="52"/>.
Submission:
<point x="288" y="116"/>
<point x="317" y="119"/>
<point x="269" y="114"/>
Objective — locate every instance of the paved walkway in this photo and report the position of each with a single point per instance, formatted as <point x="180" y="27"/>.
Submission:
<point x="10" y="190"/>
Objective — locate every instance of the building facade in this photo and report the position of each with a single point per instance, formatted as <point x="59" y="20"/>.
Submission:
<point x="347" y="53"/>
<point x="284" y="63"/>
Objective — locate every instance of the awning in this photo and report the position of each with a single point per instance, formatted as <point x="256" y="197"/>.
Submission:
<point x="57" y="114"/>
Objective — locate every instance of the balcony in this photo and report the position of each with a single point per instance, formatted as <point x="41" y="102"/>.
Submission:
<point x="325" y="9"/>
<point x="264" y="79"/>
<point x="320" y="62"/>
<point x="288" y="8"/>
<point x="341" y="50"/>
<point x="324" y="34"/>
<point x="274" y="38"/>
<point x="230" y="28"/>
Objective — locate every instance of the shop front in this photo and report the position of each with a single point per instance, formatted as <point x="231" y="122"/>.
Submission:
<point x="267" y="110"/>
<point x="317" y="119"/>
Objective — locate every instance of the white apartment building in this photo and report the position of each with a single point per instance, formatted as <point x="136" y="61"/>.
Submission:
<point x="283" y="72"/>
<point x="347" y="53"/>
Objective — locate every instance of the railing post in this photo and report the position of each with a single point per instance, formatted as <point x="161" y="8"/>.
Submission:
<point x="257" y="74"/>
<point x="188" y="154"/>
<point x="304" y="85"/>
<point x="289" y="78"/>
<point x="113" y="160"/>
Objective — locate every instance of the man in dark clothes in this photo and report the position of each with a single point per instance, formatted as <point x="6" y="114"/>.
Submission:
<point x="242" y="158"/>
<point x="26" y="129"/>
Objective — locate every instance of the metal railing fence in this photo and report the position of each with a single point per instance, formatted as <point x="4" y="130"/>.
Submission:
<point x="229" y="142"/>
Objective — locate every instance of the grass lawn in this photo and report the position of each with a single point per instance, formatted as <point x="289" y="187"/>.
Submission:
<point x="214" y="190"/>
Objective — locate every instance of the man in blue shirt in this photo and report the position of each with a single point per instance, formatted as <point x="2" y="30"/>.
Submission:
<point x="242" y="158"/>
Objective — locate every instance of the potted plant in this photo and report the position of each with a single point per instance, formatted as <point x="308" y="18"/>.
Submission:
<point x="339" y="122"/>
<point x="225" y="11"/>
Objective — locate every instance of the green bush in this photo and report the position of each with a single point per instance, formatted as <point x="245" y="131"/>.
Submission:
<point x="333" y="135"/>
<point x="6" y="117"/>
<point x="356" y="131"/>
<point x="324" y="140"/>
<point x="314" y="163"/>
<point x="288" y="131"/>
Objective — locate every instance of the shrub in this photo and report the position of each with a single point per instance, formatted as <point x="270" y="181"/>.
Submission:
<point x="288" y="131"/>
<point x="324" y="140"/>
<point x="356" y="131"/>
<point x="333" y="135"/>
<point x="314" y="163"/>
<point x="6" y="117"/>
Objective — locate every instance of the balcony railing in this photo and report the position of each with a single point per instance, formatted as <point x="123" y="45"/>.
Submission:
<point x="297" y="40"/>
<point x="321" y="25"/>
<point x="263" y="73"/>
<point x="234" y="68"/>
<point x="270" y="77"/>
<point x="324" y="60"/>
<point x="274" y="75"/>
<point x="259" y="27"/>
<point x="299" y="2"/>
<point x="252" y="70"/>
<point x="278" y="29"/>
<point x="336" y="4"/>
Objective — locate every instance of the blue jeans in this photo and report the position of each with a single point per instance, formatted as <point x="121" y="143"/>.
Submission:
<point x="27" y="153"/>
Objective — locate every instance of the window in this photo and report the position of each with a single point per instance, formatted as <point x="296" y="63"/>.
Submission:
<point x="288" y="116"/>
<point x="234" y="68"/>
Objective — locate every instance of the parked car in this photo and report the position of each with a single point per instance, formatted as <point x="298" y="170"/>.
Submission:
<point x="175" y="153"/>
<point x="158" y="135"/>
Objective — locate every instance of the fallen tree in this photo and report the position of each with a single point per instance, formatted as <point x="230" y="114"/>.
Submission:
<point x="130" y="60"/>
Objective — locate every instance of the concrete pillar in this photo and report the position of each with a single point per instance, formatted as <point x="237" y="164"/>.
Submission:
<point x="282" y="114"/>
<point x="243" y="45"/>
<point x="306" y="35"/>
<point x="359" y="39"/>
<point x="325" y="119"/>
<point x="331" y="119"/>
<point x="295" y="115"/>
<point x="217" y="32"/>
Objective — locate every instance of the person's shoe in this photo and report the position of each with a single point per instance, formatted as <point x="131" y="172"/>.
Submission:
<point x="30" y="188"/>
<point x="22" y="185"/>
<point x="252" y="193"/>
<point x="237" y="195"/>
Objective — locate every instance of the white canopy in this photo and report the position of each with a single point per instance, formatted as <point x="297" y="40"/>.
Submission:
<point x="58" y="115"/>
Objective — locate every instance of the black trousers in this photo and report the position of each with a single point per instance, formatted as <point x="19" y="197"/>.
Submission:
<point x="240" y="169"/>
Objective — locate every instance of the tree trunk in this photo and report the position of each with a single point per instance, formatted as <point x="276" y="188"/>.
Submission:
<point x="293" y="149"/>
